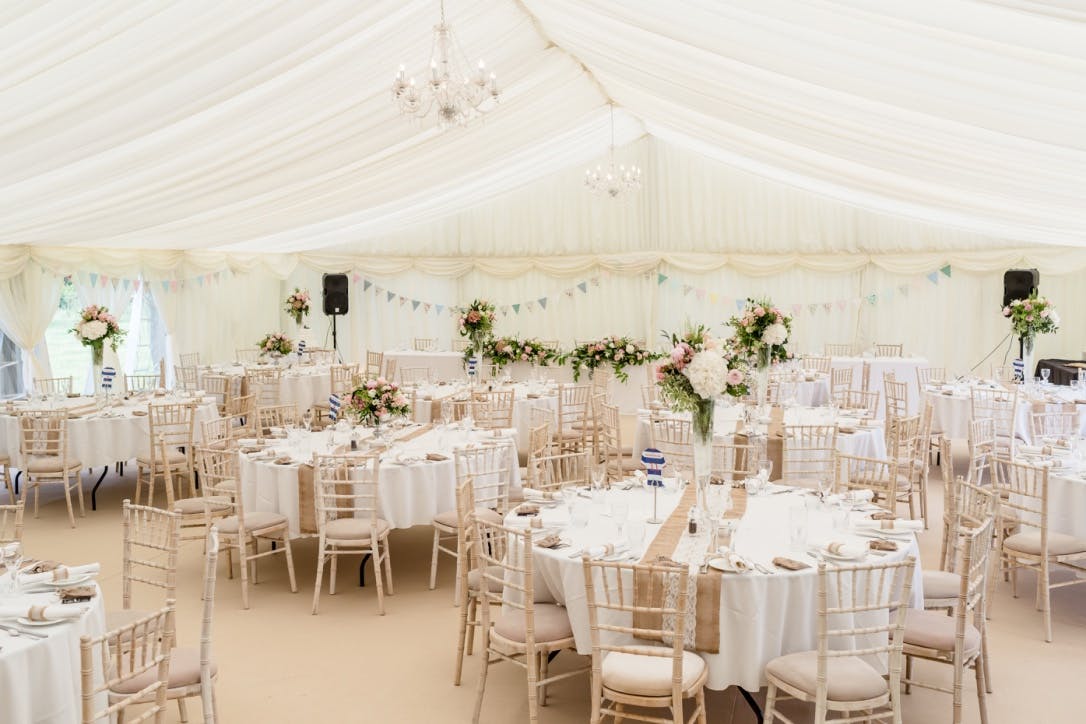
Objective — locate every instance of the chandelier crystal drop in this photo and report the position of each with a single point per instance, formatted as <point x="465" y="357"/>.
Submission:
<point x="455" y="91"/>
<point x="613" y="180"/>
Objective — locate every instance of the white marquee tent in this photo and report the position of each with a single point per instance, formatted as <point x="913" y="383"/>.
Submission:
<point x="874" y="166"/>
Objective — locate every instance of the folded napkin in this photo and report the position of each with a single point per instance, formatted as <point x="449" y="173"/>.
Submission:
<point x="882" y="515"/>
<point x="846" y="550"/>
<point x="550" y="541"/>
<point x="54" y="612"/>
<point x="532" y="396"/>
<point x="540" y="495"/>
<point x="1034" y="450"/>
<point x="733" y="559"/>
<point x="139" y="413"/>
<point x="39" y="567"/>
<point x="890" y="525"/>
<point x="948" y="393"/>
<point x="1060" y="442"/>
<point x="527" y="509"/>
<point x="284" y="460"/>
<point x="882" y="545"/>
<point x="77" y="593"/>
<point x="436" y="457"/>
<point x="610" y="549"/>
<point x="60" y="574"/>
<point x="789" y="564"/>
<point x="859" y="496"/>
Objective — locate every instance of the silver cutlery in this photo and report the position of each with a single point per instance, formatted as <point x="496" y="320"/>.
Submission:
<point x="16" y="632"/>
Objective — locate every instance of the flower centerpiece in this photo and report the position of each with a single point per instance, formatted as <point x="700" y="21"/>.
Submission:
<point x="507" y="350"/>
<point x="376" y="400"/>
<point x="96" y="327"/>
<point x="275" y="345"/>
<point x="616" y="352"/>
<point x="699" y="369"/>
<point x="759" y="335"/>
<point x="477" y="324"/>
<point x="1030" y="317"/>
<point x="297" y="305"/>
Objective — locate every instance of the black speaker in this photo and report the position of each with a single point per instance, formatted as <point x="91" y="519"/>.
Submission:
<point x="335" y="293"/>
<point x="1019" y="284"/>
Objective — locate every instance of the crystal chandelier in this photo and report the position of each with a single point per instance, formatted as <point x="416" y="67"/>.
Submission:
<point x="612" y="180"/>
<point x="456" y="92"/>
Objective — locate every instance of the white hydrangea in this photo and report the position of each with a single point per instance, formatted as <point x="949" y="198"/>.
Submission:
<point x="775" y="334"/>
<point x="94" y="329"/>
<point x="708" y="374"/>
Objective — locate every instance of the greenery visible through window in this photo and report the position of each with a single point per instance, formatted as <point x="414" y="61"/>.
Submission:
<point x="11" y="373"/>
<point x="69" y="358"/>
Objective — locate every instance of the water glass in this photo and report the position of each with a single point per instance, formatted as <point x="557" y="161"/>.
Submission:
<point x="840" y="516"/>
<point x="579" y="514"/>
<point x="635" y="535"/>
<point x="620" y="511"/>
<point x="569" y="496"/>
<point x="11" y="555"/>
<point x="765" y="466"/>
<point x="797" y="526"/>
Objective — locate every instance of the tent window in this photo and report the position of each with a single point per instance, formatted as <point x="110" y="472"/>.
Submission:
<point x="11" y="363"/>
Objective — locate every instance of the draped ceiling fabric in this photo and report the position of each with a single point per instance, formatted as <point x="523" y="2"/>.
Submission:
<point x="857" y="138"/>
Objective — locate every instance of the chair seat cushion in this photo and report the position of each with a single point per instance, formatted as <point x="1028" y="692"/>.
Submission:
<point x="449" y="518"/>
<point x="49" y="464"/>
<point x="174" y="456"/>
<point x="645" y="675"/>
<point x="491" y="585"/>
<point x="551" y="624"/>
<point x="184" y="671"/>
<point x="848" y="678"/>
<point x="196" y="506"/>
<point x="355" y="529"/>
<point x="253" y="521"/>
<point x="936" y="630"/>
<point x="941" y="585"/>
<point x="1059" y="544"/>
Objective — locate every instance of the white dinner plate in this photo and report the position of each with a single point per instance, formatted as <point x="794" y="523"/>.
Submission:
<point x="721" y="563"/>
<point x="74" y="581"/>
<point x="29" y="622"/>
<point x="880" y="533"/>
<point x="839" y="557"/>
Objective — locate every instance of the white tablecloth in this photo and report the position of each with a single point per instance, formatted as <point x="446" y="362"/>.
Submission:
<point x="95" y="440"/>
<point x="39" y="679"/>
<point x="904" y="369"/>
<point x="804" y="392"/>
<point x="865" y="442"/>
<point x="761" y="616"/>
<point x="410" y="494"/>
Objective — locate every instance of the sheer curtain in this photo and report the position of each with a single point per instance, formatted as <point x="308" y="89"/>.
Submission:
<point x="28" y="302"/>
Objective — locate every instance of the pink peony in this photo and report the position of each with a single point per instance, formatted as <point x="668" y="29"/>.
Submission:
<point x="735" y="377"/>
<point x="659" y="375"/>
<point x="1044" y="312"/>
<point x="1028" y="306"/>
<point x="759" y="312"/>
<point x="1029" y="318"/>
<point x="678" y="353"/>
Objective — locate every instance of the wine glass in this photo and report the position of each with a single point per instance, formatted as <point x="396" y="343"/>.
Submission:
<point x="764" y="468"/>
<point x="307" y="419"/>
<point x="825" y="487"/>
<point x="620" y="512"/>
<point x="599" y="475"/>
<point x="1045" y="374"/>
<point x="11" y="555"/>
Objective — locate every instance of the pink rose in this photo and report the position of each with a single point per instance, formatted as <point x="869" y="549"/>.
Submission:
<point x="759" y="312"/>
<point x="659" y="374"/>
<point x="1044" y="313"/>
<point x="1006" y="311"/>
<point x="1029" y="318"/>
<point x="1028" y="306"/>
<point x="735" y="377"/>
<point x="678" y="353"/>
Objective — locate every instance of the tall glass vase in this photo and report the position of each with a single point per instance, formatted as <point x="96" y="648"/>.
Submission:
<point x="1028" y="368"/>
<point x="702" y="439"/>
<point x="761" y="376"/>
<point x="97" y="353"/>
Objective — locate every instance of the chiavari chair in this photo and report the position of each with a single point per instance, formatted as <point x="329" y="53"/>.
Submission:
<point x="809" y="454"/>
<point x="493" y="410"/>
<point x="375" y="363"/>
<point x="247" y="356"/>
<point x="571" y="426"/>
<point x="840" y="381"/>
<point x="149" y="550"/>
<point x="551" y="473"/>
<point x="859" y="400"/>
<point x="889" y="350"/>
<point x="43" y="448"/>
<point x="414" y="375"/>
<point x="175" y="422"/>
<point x="425" y="344"/>
<point x="930" y="376"/>
<point x="818" y="364"/>
<point x="53" y="385"/>
<point x="839" y="350"/>
<point x="189" y="359"/>
<point x="198" y="511"/>
<point x="1000" y="406"/>
<point x="618" y="458"/>
<point x="140" y="383"/>
<point x="673" y="437"/>
<point x="11" y="522"/>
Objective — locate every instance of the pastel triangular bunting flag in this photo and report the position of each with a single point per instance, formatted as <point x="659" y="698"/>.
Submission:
<point x="583" y="286"/>
<point x="366" y="284"/>
<point x="946" y="270"/>
<point x="516" y="309"/>
<point x="933" y="277"/>
<point x="542" y="302"/>
<point x="391" y="295"/>
<point x="415" y="305"/>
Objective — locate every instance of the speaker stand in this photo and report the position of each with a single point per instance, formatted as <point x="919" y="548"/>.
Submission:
<point x="335" y="341"/>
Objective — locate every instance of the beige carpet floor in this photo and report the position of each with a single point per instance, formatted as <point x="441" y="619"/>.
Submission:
<point x="278" y="663"/>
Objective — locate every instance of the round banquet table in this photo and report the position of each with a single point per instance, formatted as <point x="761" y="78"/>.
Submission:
<point x="904" y="369"/>
<point x="411" y="489"/>
<point x="952" y="409"/>
<point x="865" y="441"/>
<point x="103" y="438"/>
<point x="40" y="678"/>
<point x="526" y="397"/>
<point x="762" y="616"/>
<point x="443" y="366"/>
<point x="1066" y="494"/>
<point x="805" y="392"/>
<point x="300" y="385"/>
